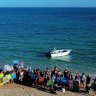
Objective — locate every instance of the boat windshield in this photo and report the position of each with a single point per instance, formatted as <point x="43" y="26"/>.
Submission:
<point x="58" y="51"/>
<point x="64" y="51"/>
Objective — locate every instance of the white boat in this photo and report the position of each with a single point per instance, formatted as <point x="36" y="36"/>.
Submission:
<point x="58" y="53"/>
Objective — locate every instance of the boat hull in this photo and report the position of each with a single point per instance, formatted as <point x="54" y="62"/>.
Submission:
<point x="60" y="54"/>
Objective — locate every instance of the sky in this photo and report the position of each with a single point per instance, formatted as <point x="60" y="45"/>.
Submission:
<point x="47" y="3"/>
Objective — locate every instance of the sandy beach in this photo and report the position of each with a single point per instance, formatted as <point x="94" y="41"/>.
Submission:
<point x="21" y="90"/>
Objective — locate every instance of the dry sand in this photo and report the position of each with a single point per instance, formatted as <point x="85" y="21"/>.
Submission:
<point x="20" y="90"/>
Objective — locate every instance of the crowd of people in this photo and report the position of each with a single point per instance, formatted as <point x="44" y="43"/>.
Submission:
<point x="54" y="79"/>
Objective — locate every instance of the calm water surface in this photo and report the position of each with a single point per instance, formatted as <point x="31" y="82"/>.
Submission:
<point x="27" y="34"/>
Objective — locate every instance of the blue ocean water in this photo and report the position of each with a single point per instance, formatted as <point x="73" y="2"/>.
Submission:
<point x="27" y="33"/>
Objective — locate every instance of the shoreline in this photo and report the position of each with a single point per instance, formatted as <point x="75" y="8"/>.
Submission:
<point x="17" y="89"/>
<point x="74" y="72"/>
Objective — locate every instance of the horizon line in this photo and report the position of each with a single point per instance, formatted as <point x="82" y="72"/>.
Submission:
<point x="44" y="7"/>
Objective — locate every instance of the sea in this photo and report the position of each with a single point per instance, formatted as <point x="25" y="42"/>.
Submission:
<point x="27" y="34"/>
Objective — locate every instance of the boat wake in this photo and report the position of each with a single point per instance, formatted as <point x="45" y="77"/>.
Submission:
<point x="63" y="58"/>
